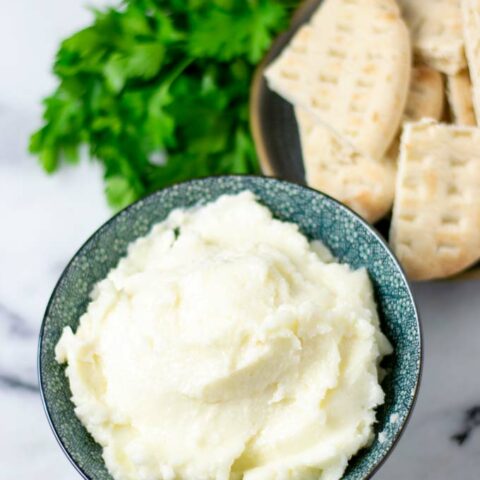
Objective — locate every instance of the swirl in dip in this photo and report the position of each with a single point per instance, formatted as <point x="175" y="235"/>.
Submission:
<point x="226" y="346"/>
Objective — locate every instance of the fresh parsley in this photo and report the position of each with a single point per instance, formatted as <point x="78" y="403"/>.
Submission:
<point x="158" y="92"/>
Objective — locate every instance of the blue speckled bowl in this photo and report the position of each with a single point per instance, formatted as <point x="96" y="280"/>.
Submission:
<point x="351" y="240"/>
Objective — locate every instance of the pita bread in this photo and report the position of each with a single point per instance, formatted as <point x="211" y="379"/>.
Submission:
<point x="334" y="167"/>
<point x="435" y="229"/>
<point x="425" y="100"/>
<point x="459" y="92"/>
<point x="436" y="29"/>
<point x="365" y="185"/>
<point x="426" y="95"/>
<point x="349" y="67"/>
<point x="471" y="33"/>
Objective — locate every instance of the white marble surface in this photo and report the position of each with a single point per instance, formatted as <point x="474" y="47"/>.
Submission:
<point x="43" y="220"/>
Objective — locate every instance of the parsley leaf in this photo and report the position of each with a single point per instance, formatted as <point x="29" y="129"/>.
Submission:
<point x="158" y="92"/>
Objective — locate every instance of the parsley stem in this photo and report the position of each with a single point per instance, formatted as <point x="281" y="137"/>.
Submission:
<point x="177" y="71"/>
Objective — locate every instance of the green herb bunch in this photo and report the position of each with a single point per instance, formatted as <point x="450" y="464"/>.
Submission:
<point x="158" y="92"/>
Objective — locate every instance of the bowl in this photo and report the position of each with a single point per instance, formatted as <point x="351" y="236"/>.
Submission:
<point x="350" y="239"/>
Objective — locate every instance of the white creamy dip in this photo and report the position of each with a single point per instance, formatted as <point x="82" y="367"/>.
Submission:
<point x="226" y="346"/>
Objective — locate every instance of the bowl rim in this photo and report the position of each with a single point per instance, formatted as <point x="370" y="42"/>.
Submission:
<point x="419" y="373"/>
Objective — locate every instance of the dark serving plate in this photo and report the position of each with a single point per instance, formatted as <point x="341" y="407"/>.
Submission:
<point x="274" y="127"/>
